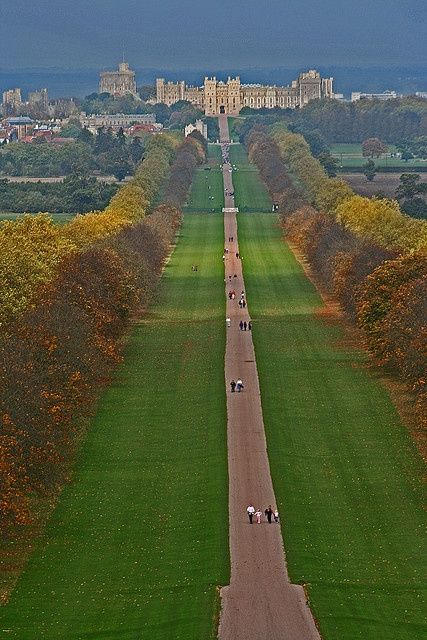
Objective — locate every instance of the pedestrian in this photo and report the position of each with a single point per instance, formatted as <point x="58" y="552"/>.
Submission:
<point x="258" y="515"/>
<point x="228" y="322"/>
<point x="239" y="385"/>
<point x="251" y="511"/>
<point x="233" y="295"/>
<point x="241" y="325"/>
<point x="237" y="255"/>
<point x="269" y="512"/>
<point x="235" y="275"/>
<point x="240" y="303"/>
<point x="233" y="386"/>
<point x="243" y="303"/>
<point x="276" y="516"/>
<point x="245" y="325"/>
<point x="250" y="325"/>
<point x="229" y="278"/>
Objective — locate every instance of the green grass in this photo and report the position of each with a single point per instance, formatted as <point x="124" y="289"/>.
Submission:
<point x="250" y="193"/>
<point x="207" y="190"/>
<point x="346" y="474"/>
<point x="350" y="155"/>
<point x="139" y="540"/>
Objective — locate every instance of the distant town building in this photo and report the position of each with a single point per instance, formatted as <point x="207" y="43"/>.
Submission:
<point x="199" y="126"/>
<point x="22" y="125"/>
<point x="118" y="83"/>
<point x="230" y="97"/>
<point x="94" y="122"/>
<point x="386" y="95"/>
<point x="39" y="99"/>
<point x="11" y="100"/>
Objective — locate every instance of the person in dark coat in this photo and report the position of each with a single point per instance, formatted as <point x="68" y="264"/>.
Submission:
<point x="233" y="386"/>
<point x="269" y="513"/>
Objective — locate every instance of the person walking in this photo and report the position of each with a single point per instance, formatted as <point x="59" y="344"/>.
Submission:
<point x="228" y="322"/>
<point x="269" y="513"/>
<point x="245" y="326"/>
<point x="233" y="386"/>
<point x="276" y="516"/>
<point x="241" y="325"/>
<point x="239" y="385"/>
<point x="258" y="515"/>
<point x="250" y="325"/>
<point x="251" y="511"/>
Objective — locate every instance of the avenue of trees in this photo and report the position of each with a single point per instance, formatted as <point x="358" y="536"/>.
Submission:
<point x="365" y="252"/>
<point x="68" y="296"/>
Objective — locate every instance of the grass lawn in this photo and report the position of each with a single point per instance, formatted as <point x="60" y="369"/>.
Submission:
<point x="250" y="193"/>
<point x="139" y="540"/>
<point x="207" y="191"/>
<point x="350" y="155"/>
<point x="346" y="474"/>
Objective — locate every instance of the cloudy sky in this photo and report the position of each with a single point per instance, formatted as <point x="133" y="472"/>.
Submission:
<point x="194" y="34"/>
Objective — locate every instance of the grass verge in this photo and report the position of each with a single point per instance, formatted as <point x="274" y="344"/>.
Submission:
<point x="139" y="540"/>
<point x="250" y="193"/>
<point x="207" y="191"/>
<point x="346" y="474"/>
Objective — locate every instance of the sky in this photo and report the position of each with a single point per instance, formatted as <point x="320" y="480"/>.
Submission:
<point x="221" y="34"/>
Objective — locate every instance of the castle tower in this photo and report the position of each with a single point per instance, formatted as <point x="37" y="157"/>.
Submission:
<point x="210" y="96"/>
<point x="234" y="95"/>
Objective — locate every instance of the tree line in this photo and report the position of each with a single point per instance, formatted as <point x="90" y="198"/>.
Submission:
<point x="106" y="152"/>
<point x="365" y="252"/>
<point x="60" y="349"/>
<point x="396" y="121"/>
<point x="75" y="194"/>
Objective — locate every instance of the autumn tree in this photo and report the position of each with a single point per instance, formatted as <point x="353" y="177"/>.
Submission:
<point x="373" y="147"/>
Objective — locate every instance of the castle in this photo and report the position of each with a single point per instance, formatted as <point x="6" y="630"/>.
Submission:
<point x="118" y="83"/>
<point x="216" y="97"/>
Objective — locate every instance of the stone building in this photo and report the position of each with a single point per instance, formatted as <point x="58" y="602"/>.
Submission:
<point x="11" y="101"/>
<point x="118" y="83"/>
<point x="199" y="126"/>
<point x="39" y="99"/>
<point x="216" y="96"/>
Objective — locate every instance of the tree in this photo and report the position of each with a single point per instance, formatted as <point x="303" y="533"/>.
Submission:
<point x="406" y="155"/>
<point x="410" y="186"/>
<point x="373" y="147"/>
<point x="329" y="163"/>
<point x="370" y="170"/>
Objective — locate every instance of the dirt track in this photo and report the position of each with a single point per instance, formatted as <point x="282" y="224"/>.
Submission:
<point x="260" y="602"/>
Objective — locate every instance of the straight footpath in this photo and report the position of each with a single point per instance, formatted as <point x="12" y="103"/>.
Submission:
<point x="138" y="543"/>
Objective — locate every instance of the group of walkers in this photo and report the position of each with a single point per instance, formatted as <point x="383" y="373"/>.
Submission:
<point x="269" y="514"/>
<point x="245" y="326"/>
<point x="236" y="385"/>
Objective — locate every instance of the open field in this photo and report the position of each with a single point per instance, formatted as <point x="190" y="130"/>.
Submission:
<point x="139" y="540"/>
<point x="207" y="193"/>
<point x="346" y="474"/>
<point x="250" y="193"/>
<point x="350" y="155"/>
<point x="385" y="183"/>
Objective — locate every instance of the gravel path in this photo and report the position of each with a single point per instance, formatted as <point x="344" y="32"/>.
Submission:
<point x="260" y="602"/>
